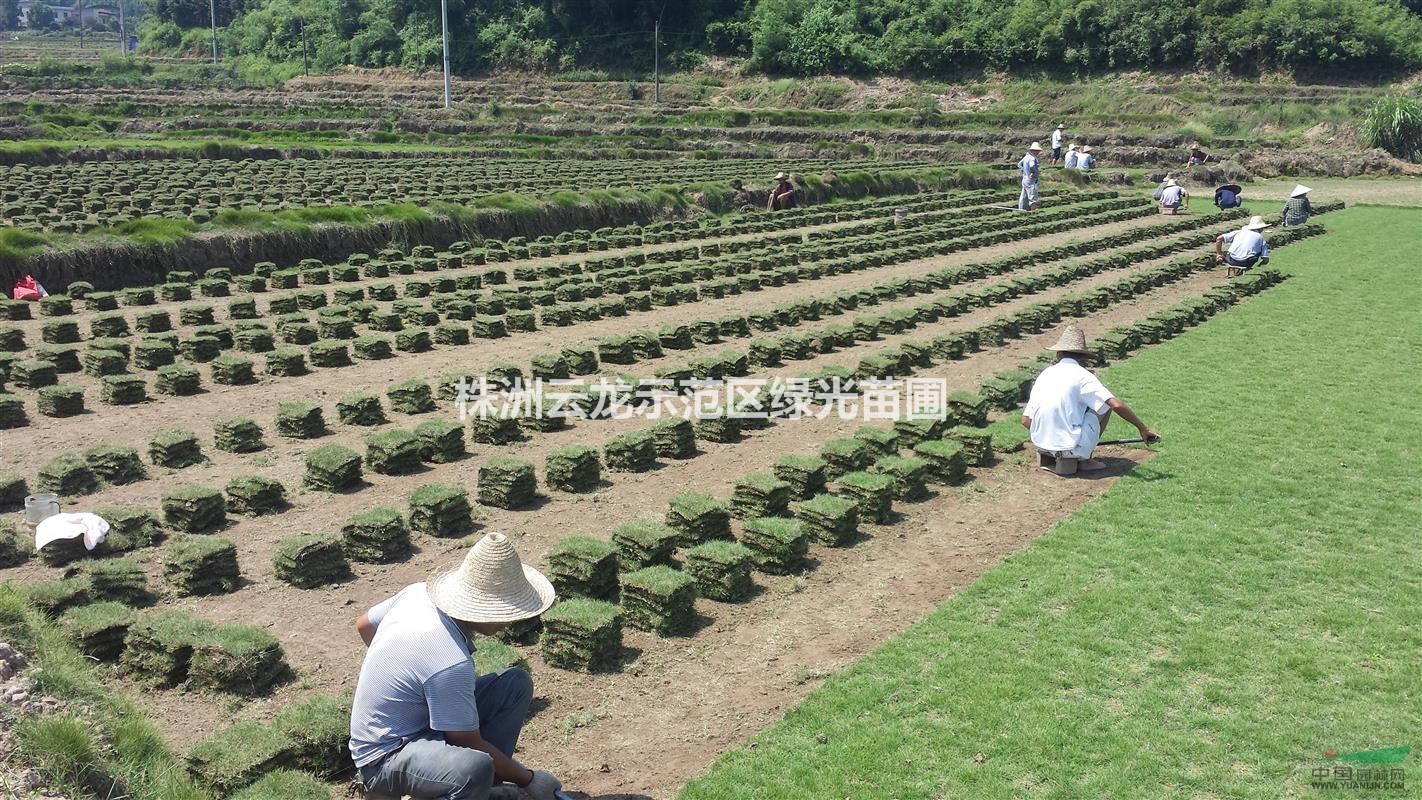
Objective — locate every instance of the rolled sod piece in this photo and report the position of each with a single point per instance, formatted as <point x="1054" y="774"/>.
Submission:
<point x="549" y="367"/>
<point x="674" y="437"/>
<point x="237" y="436"/>
<point x="377" y="536"/>
<point x="177" y="380"/>
<point x="416" y="340"/>
<point x="441" y="441"/>
<point x="805" y="474"/>
<point x="238" y="659"/>
<point x="582" y="634"/>
<point x="496" y="430"/>
<point x="319" y="728"/>
<point x="881" y="441"/>
<point x="660" y="600"/>
<point x="580" y="360"/>
<point x="360" y="409"/>
<point x="130" y="527"/>
<point x="194" y="509"/>
<point x="286" y="362"/>
<point x="722" y="570"/>
<point x="634" y="451"/>
<point x="200" y="349"/>
<point x="300" y="420"/>
<point x="574" y="468"/>
<point x="843" y="456"/>
<point x="411" y="397"/>
<point x="230" y="370"/>
<point x="582" y="566"/>
<point x="441" y="510"/>
<point x="68" y="475"/>
<point x="60" y="400"/>
<point x="392" y="452"/>
<point x="372" y="348"/>
<point x="34" y="374"/>
<point x="175" y="448"/>
<point x="828" y="519"/>
<point x="777" y="545"/>
<point x="99" y="363"/>
<point x="451" y="333"/>
<point x="153" y="353"/>
<point x="760" y="494"/>
<point x="967" y="408"/>
<point x="159" y="647"/>
<point x="115" y="464"/>
<point x="332" y="468"/>
<point x="200" y="565"/>
<point x="98" y="630"/>
<point x="285" y="784"/>
<point x="64" y="358"/>
<point x="12" y="412"/>
<point x="311" y="560"/>
<point x="119" y="579"/>
<point x="329" y="353"/>
<point x="977" y="444"/>
<point x="489" y="327"/>
<point x="196" y="315"/>
<point x="721" y="428"/>
<point x="698" y="517"/>
<point x="507" y="483"/>
<point x="123" y="390"/>
<point x="254" y="495"/>
<point x="616" y="350"/>
<point x="643" y="543"/>
<point x="55" y="306"/>
<point x="53" y="598"/>
<point x="872" y="492"/>
<point x="947" y="460"/>
<point x="52" y="332"/>
<point x="910" y="476"/>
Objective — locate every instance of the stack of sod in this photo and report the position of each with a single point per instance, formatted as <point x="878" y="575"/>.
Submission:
<point x="300" y="420"/>
<point x="329" y="353"/>
<point x="194" y="509"/>
<point x="411" y="397"/>
<point x="977" y="444"/>
<point x="805" y="474"/>
<point x="441" y="441"/>
<point x="634" y="451"/>
<point x="843" y="456"/>
<point x="115" y="464"/>
<point x="13" y="550"/>
<point x="492" y="655"/>
<point x="909" y="432"/>
<point x="828" y="519"/>
<point x="230" y="370"/>
<point x="910" y="476"/>
<point x="574" y="468"/>
<point x="643" y="543"/>
<point x="392" y="452"/>
<point x="152" y="354"/>
<point x="377" y="536"/>
<point x="881" y="441"/>
<point x="947" y="459"/>
<point x="310" y="560"/>
<point x="507" y="483"/>
<point x="777" y="545"/>
<point x="319" y="729"/>
<point x="441" y="510"/>
<point x="332" y="468"/>
<point x="494" y="429"/>
<point x="718" y="427"/>
<point x="119" y="579"/>
<point x="254" y="495"/>
<point x="873" y="493"/>
<point x="99" y="363"/>
<point x="56" y="597"/>
<point x="659" y="599"/>
<point x="722" y="570"/>
<point x="525" y="631"/>
<point x="285" y="784"/>
<point x="674" y="437"/>
<point x="68" y="476"/>
<point x="13" y="489"/>
<point x="178" y="380"/>
<point x="33" y="374"/>
<point x="583" y="634"/>
<point x="286" y="362"/>
<point x="98" y="630"/>
<point x="372" y="348"/>
<point x="237" y="436"/>
<point x="967" y="408"/>
<point x="616" y="350"/>
<point x="582" y="566"/>
<point x="760" y="494"/>
<point x="360" y="409"/>
<point x="581" y="360"/>
<point x="201" y="565"/>
<point x="63" y="551"/>
<point x="236" y="756"/>
<point x="240" y="659"/>
<point x="129" y="527"/>
<point x="699" y="517"/>
<point x="60" y="400"/>
<point x="175" y="448"/>
<point x="12" y="410"/>
<point x="159" y="646"/>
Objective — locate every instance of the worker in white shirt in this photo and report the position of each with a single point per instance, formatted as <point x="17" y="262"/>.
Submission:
<point x="1174" y="198"/>
<point x="1085" y="160"/>
<point x="1031" y="174"/>
<point x="1246" y="247"/>
<point x="1057" y="143"/>
<point x="1069" y="407"/>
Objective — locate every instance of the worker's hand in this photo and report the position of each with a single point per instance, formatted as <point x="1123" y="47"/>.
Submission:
<point x="1150" y="436"/>
<point x="543" y="786"/>
<point x="1219" y="259"/>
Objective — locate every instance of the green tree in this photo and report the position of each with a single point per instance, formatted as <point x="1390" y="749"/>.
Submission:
<point x="41" y="16"/>
<point x="9" y="15"/>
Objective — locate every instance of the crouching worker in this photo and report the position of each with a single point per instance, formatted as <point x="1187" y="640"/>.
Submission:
<point x="783" y="195"/>
<point x="1246" y="248"/>
<point x="423" y="723"/>
<point x="1069" y="407"/>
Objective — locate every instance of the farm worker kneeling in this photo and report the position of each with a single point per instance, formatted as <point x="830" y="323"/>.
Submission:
<point x="424" y="723"/>
<point x="1086" y="160"/>
<point x="1246" y="247"/>
<point x="1174" y="197"/>
<point x="1070" y="161"/>
<point x="1031" y="173"/>
<point x="783" y="195"/>
<point x="1297" y="209"/>
<point x="1069" y="407"/>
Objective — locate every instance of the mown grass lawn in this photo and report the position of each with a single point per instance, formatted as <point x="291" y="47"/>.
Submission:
<point x="1213" y="623"/>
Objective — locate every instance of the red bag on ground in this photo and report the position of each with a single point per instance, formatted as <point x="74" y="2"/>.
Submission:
<point x="27" y="288"/>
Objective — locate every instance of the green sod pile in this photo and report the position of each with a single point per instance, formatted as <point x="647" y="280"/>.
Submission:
<point x="194" y="509"/>
<point x="300" y="420"/>
<point x="199" y="565"/>
<point x="828" y="519"/>
<point x="33" y="374"/>
<point x="760" y="494"/>
<point x="722" y="570"/>
<point x="360" y="409"/>
<point x="805" y="474"/>
<point x="332" y="468"/>
<point x="507" y="483"/>
<point x="494" y="429"/>
<point x="175" y="448"/>
<point x="441" y="510"/>
<point x="239" y="659"/>
<point x="582" y="566"/>
<point x="674" y="437"/>
<point x="492" y="656"/>
<point x="159" y="647"/>
<point x="910" y="476"/>
<point x="977" y="444"/>
<point x="311" y="560"/>
<point x="392" y="452"/>
<point x="178" y="380"/>
<point x="873" y="493"/>
<point x="580" y="360"/>
<point x="115" y="464"/>
<point x="237" y="756"/>
<point x="947" y="460"/>
<point x="67" y="475"/>
<point x="285" y="784"/>
<point x="377" y="536"/>
<point x="699" y="517"/>
<point x="64" y="551"/>
<point x="286" y="362"/>
<point x="574" y="468"/>
<point x="12" y="411"/>
<point x="719" y="428"/>
<point x="99" y="363"/>
<point x="129" y="527"/>
<point x="634" y="451"/>
<point x="659" y="599"/>
<point x="319" y="729"/>
<point x="411" y="397"/>
<point x="60" y="400"/>
<point x="526" y="631"/>
<point x="909" y="432"/>
<point x="881" y="441"/>
<point x="152" y="354"/>
<point x="583" y="635"/>
<point x="237" y="436"/>
<point x="329" y="353"/>
<point x="254" y="495"/>
<point x="372" y="347"/>
<point x="644" y="543"/>
<point x="843" y="456"/>
<point x="441" y="441"/>
<point x="56" y="597"/>
<point x="98" y="630"/>
<point x="119" y="579"/>
<point x="967" y="408"/>
<point x="13" y="489"/>
<point x="777" y="545"/>
<point x="230" y="370"/>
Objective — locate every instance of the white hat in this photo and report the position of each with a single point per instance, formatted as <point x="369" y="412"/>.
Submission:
<point x="491" y="585"/>
<point x="780" y="176"/>
<point x="1086" y="148"/>
<point x="1299" y="191"/>
<point x="1072" y="146"/>
<point x="1036" y="146"/>
<point x="1171" y="182"/>
<point x="1257" y="223"/>
<point x="1061" y="127"/>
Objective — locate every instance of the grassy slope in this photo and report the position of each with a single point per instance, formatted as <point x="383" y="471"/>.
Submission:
<point x="1210" y="625"/>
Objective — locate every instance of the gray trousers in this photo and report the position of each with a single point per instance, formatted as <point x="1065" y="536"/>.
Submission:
<point x="1028" y="198"/>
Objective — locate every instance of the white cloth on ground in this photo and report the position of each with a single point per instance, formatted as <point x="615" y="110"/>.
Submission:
<point x="71" y="526"/>
<point x="1065" y="408"/>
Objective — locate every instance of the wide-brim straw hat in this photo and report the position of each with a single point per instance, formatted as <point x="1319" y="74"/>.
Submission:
<point x="1299" y="191"/>
<point x="1086" y="149"/>
<point x="1072" y="340"/>
<point x="1257" y="223"/>
<point x="1036" y="147"/>
<point x="1071" y="146"/>
<point x="491" y="585"/>
<point x="1233" y="187"/>
<point x="1171" y="182"/>
<point x="780" y="176"/>
<point x="1061" y="127"/>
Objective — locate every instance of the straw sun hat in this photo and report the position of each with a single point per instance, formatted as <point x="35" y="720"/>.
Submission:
<point x="780" y="176"/>
<point x="1299" y="191"/>
<point x="491" y="585"/>
<point x="1257" y="224"/>
<point x="1073" y="340"/>
<point x="1036" y="147"/>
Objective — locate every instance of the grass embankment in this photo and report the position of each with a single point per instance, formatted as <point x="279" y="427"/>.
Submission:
<point x="1216" y="620"/>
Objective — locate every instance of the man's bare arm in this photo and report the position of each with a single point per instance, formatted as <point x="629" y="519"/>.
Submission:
<point x="365" y="628"/>
<point x="1026" y="422"/>
<point x="505" y="768"/>
<point x="1130" y="416"/>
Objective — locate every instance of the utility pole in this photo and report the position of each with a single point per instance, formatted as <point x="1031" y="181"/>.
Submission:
<point x="444" y="28"/>
<point x="123" y="30"/>
<point x="657" y="60"/>
<point x="305" y="60"/>
<point x="212" y="9"/>
<point x="81" y="24"/>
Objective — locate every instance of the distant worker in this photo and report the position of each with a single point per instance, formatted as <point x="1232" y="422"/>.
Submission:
<point x="1057" y="143"/>
<point x="1197" y="156"/>
<point x="1069" y="407"/>
<point x="1228" y="196"/>
<point x="1086" y="160"/>
<point x="1031" y="174"/>
<point x="783" y="195"/>
<point x="1246" y="248"/>
<point x="27" y="288"/>
<point x="424" y="723"/>
<point x="1160" y="187"/>
<point x="1297" y="209"/>
<point x="1174" y="198"/>
<point x="1071" y="158"/>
